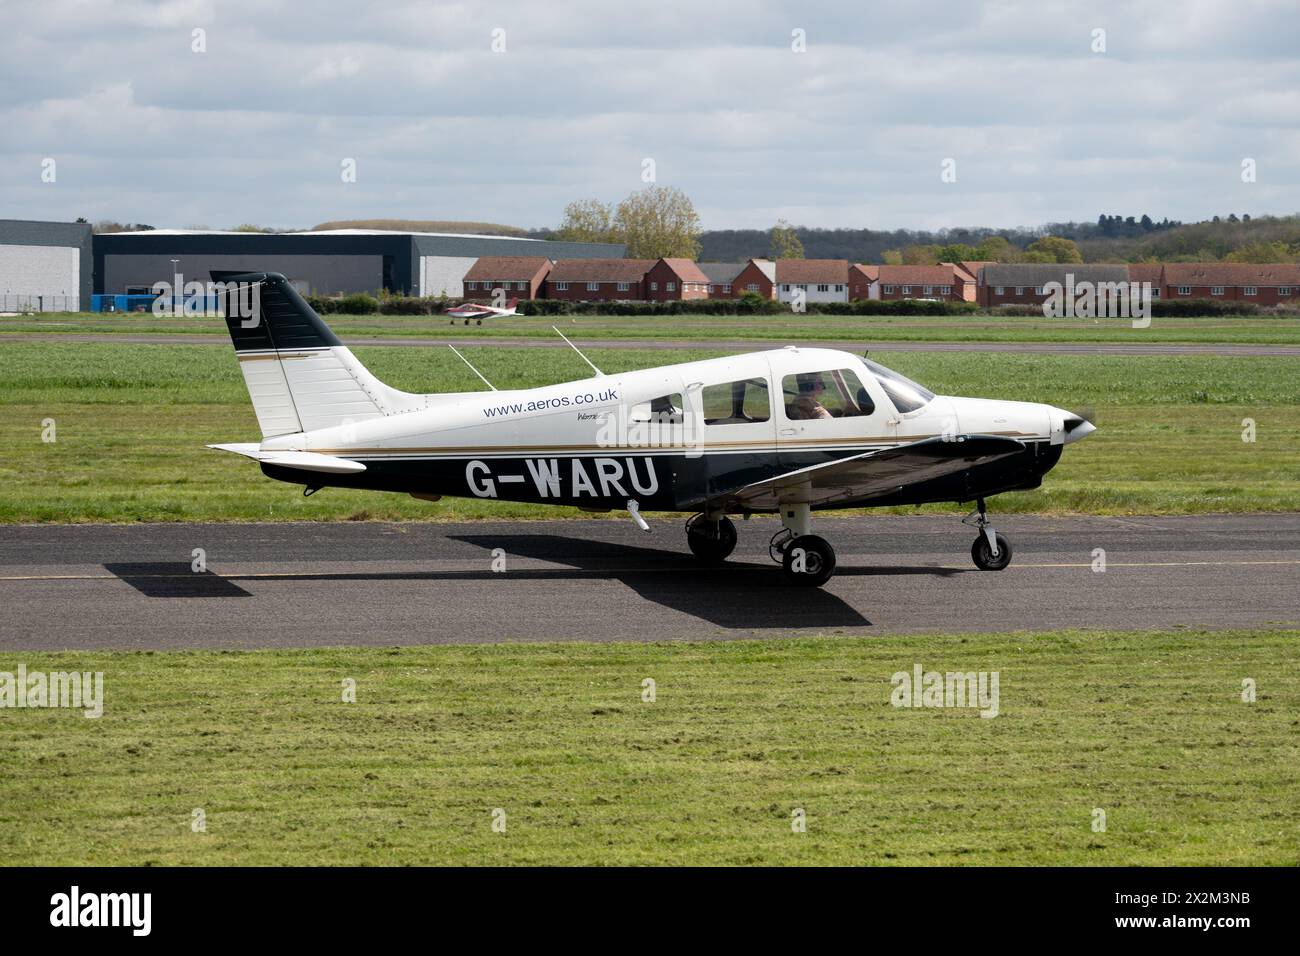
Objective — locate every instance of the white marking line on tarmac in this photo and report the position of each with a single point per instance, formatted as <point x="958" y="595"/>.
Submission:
<point x="738" y="567"/>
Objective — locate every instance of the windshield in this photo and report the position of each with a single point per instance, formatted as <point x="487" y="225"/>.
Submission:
<point x="907" y="395"/>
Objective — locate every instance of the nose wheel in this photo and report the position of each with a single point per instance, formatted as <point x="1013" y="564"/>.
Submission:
<point x="808" y="561"/>
<point x="990" y="550"/>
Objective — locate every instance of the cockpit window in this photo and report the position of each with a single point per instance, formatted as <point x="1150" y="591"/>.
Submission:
<point x="665" y="410"/>
<point x="907" y="395"/>
<point x="836" y="393"/>
<point x="736" y="403"/>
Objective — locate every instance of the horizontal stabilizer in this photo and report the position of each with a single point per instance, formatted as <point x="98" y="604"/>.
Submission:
<point x="302" y="460"/>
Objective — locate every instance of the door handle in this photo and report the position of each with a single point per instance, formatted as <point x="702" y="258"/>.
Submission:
<point x="788" y="431"/>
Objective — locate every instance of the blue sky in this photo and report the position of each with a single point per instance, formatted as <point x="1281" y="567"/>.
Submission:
<point x="852" y="132"/>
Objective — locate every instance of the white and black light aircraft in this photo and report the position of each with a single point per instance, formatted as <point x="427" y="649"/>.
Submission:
<point x="787" y="431"/>
<point x="479" y="312"/>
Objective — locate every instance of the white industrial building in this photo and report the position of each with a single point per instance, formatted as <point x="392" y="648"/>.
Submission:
<point x="44" y="266"/>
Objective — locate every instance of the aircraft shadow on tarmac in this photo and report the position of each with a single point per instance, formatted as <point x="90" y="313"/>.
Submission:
<point x="736" y="595"/>
<point x="172" y="579"/>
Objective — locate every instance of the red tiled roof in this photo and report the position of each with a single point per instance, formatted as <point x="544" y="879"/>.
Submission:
<point x="506" y="268"/>
<point x="871" y="272"/>
<point x="1145" y="271"/>
<point x="600" y="270"/>
<point x="1232" y="273"/>
<point x="973" y="266"/>
<point x="807" y="271"/>
<point x="686" y="270"/>
<point x="917" y="275"/>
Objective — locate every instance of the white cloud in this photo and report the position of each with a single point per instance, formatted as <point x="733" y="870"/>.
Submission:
<point x="850" y="133"/>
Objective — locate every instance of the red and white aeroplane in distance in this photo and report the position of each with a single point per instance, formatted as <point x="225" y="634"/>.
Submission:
<point x="474" y="310"/>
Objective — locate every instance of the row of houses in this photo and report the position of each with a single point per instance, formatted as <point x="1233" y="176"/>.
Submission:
<point x="838" y="280"/>
<point x="1260" y="283"/>
<point x="661" y="280"/>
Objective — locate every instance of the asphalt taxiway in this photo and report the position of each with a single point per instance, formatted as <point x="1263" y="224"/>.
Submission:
<point x="307" y="585"/>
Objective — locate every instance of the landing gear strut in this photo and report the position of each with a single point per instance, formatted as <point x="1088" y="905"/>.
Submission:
<point x="711" y="537"/>
<point x="806" y="559"/>
<point x="990" y="551"/>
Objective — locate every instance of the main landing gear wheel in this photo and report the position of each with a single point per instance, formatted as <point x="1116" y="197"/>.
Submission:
<point x="808" y="560"/>
<point x="983" y="556"/>
<point x="711" y="541"/>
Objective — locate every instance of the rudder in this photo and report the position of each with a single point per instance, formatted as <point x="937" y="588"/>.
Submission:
<point x="300" y="377"/>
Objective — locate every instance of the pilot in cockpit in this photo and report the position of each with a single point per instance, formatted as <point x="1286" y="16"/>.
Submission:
<point x="807" y="403"/>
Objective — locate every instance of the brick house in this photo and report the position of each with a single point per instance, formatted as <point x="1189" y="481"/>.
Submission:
<point x="758" y="276"/>
<point x="945" y="282"/>
<point x="675" y="279"/>
<point x="862" y="281"/>
<point x="969" y="272"/>
<point x="598" y="280"/>
<point x="822" y="280"/>
<point x="1023" y="283"/>
<point x="1263" y="284"/>
<point x="518" y="277"/>
<point x="722" y="278"/>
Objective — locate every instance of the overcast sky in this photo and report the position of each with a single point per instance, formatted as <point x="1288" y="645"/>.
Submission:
<point x="853" y="132"/>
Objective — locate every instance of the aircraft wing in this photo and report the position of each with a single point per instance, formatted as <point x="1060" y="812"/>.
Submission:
<point x="876" y="472"/>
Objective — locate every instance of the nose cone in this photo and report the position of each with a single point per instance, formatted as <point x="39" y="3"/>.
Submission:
<point x="1073" y="426"/>
<point x="1082" y="428"/>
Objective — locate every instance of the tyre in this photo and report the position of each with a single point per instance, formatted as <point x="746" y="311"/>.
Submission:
<point x="982" y="555"/>
<point x="709" y="545"/>
<point x="808" y="561"/>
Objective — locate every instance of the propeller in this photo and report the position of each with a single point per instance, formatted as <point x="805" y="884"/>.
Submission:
<point x="1086" y="414"/>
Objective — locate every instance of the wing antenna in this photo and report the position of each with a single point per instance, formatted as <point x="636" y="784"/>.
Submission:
<point x="471" y="367"/>
<point x="578" y="350"/>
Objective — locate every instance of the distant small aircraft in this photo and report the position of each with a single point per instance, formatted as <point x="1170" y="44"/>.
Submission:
<point x="473" y="310"/>
<point x="787" y="431"/>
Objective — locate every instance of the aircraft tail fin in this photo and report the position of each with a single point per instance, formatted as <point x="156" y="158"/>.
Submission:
<point x="299" y="375"/>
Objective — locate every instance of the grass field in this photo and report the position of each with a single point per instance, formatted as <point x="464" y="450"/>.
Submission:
<point x="132" y="422"/>
<point x="867" y="328"/>
<point x="1148" y="727"/>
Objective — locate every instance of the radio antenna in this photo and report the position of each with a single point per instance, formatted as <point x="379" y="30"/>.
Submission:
<point x="578" y="350"/>
<point x="471" y="366"/>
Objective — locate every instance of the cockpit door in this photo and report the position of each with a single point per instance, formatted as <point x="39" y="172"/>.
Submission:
<point x="825" y="408"/>
<point x="737" y="421"/>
